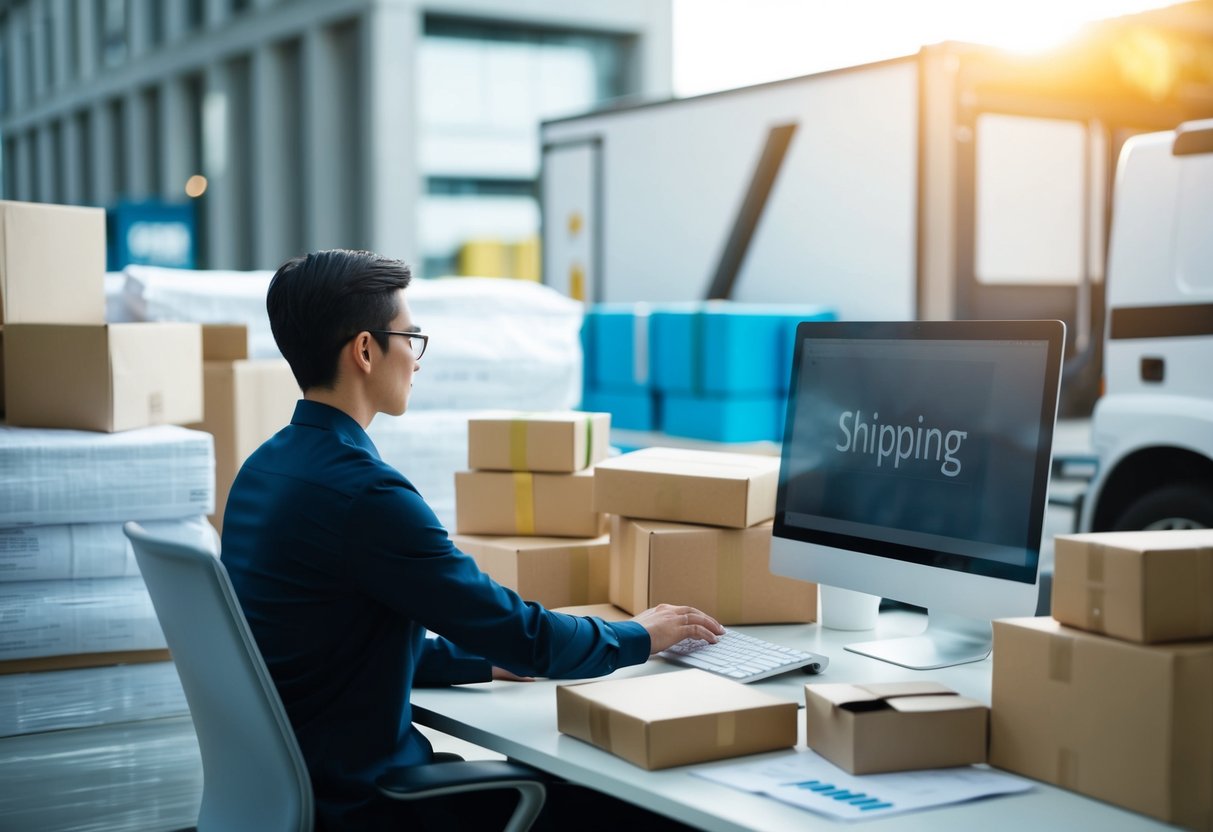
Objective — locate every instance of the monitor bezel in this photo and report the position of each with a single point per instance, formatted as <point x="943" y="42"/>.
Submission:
<point x="1052" y="333"/>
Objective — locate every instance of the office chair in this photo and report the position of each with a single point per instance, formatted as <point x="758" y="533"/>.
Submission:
<point x="254" y="777"/>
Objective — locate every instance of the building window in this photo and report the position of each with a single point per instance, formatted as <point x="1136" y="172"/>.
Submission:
<point x="483" y="88"/>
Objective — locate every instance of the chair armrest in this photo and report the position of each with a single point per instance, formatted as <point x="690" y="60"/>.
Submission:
<point x="411" y="782"/>
<point x="437" y="779"/>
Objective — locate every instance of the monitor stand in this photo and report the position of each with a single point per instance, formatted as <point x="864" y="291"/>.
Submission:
<point x="948" y="640"/>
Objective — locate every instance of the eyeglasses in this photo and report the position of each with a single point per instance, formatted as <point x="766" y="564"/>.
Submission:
<point x="417" y="341"/>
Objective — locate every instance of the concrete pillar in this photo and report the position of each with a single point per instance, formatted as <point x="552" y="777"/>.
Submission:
<point x="47" y="186"/>
<point x="388" y="138"/>
<point x="22" y="169"/>
<point x="18" y="23"/>
<point x="138" y="27"/>
<point x="60" y="31"/>
<point x="217" y="12"/>
<point x="39" y="40"/>
<point x="175" y="133"/>
<point x="175" y="22"/>
<point x="321" y="145"/>
<point x="219" y="201"/>
<point x="87" y="22"/>
<point x="137" y="138"/>
<point x="71" y="154"/>
<point x="276" y="192"/>
<point x="102" y="154"/>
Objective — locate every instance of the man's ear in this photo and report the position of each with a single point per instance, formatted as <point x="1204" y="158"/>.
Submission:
<point x="360" y="351"/>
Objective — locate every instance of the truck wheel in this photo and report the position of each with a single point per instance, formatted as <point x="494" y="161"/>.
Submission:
<point x="1186" y="505"/>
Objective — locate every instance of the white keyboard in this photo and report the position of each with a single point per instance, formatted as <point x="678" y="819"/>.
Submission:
<point x="742" y="657"/>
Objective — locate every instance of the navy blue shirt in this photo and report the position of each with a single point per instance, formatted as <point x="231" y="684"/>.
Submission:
<point x="340" y="567"/>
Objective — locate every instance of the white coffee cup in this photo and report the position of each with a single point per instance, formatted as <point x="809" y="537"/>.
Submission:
<point x="846" y="609"/>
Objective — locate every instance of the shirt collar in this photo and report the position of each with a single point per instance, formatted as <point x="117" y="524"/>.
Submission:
<point x="326" y="417"/>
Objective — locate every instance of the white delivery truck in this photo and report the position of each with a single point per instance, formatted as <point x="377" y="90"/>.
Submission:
<point x="962" y="182"/>
<point x="1152" y="430"/>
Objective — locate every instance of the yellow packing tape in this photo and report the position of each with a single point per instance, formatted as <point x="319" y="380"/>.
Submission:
<point x="524" y="502"/>
<point x="729" y="571"/>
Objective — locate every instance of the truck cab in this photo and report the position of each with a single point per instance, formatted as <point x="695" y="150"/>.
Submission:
<point x="1152" y="430"/>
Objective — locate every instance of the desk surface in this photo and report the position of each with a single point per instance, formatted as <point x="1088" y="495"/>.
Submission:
<point x="519" y="720"/>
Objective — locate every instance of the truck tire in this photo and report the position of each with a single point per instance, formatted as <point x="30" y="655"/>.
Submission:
<point x="1185" y="505"/>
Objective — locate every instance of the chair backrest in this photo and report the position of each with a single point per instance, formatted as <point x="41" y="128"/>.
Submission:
<point x="254" y="777"/>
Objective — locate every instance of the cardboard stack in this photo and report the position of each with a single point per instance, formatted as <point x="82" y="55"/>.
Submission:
<point x="1111" y="696"/>
<point x="694" y="527"/>
<point x="245" y="401"/>
<point x="716" y="371"/>
<point x="525" y="511"/>
<point x="90" y="443"/>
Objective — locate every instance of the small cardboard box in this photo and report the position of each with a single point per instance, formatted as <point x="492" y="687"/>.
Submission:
<point x="672" y="719"/>
<point x="244" y="403"/>
<point x="607" y="612"/>
<point x="224" y="342"/>
<point x="684" y="486"/>
<point x="555" y="571"/>
<point x="1141" y="586"/>
<point x="523" y="503"/>
<point x="559" y="442"/>
<point x="897" y="726"/>
<point x="108" y="377"/>
<point x="52" y="264"/>
<point x="724" y="572"/>
<point x="1127" y="723"/>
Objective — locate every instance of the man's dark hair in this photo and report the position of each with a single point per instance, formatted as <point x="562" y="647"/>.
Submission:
<point x="318" y="302"/>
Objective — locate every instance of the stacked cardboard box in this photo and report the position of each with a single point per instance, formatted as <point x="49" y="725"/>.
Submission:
<point x="71" y="594"/>
<point x="245" y="401"/>
<point x="693" y="527"/>
<point x="1111" y="696"/>
<point x="525" y="509"/>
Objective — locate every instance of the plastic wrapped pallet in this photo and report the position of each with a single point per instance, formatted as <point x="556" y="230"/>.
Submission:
<point x="86" y="550"/>
<point x="68" y="618"/>
<point x="428" y="447"/>
<point x="50" y="477"/>
<point x="495" y="343"/>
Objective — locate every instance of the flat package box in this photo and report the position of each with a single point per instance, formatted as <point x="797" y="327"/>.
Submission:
<point x="724" y="572"/>
<point x="245" y="402"/>
<point x="523" y="503"/>
<point x="672" y="719"/>
<point x="896" y="726"/>
<point x="1127" y="723"/>
<point x="1149" y="586"/>
<point x="558" y="442"/>
<point x="103" y="377"/>
<point x="555" y="571"/>
<point x="52" y="264"/>
<point x="685" y="486"/>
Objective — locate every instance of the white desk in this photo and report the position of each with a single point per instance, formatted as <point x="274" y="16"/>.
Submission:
<point x="519" y="720"/>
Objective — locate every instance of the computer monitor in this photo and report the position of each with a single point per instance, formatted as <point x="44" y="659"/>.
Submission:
<point x="915" y="466"/>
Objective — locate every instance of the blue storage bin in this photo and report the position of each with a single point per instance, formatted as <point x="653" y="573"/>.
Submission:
<point x="617" y="346"/>
<point x="634" y="409"/>
<point x="726" y="348"/>
<point x="722" y="418"/>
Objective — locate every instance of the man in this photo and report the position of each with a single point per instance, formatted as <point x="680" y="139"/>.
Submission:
<point x="341" y="566"/>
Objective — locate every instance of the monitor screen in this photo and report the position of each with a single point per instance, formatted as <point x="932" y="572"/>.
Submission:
<point x="927" y="443"/>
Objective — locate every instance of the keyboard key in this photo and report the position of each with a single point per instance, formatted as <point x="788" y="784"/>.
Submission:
<point x="742" y="657"/>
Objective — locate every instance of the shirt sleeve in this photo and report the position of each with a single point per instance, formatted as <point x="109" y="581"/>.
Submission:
<point x="402" y="556"/>
<point x="442" y="663"/>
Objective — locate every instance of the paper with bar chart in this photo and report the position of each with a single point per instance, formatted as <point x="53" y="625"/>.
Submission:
<point x="807" y="780"/>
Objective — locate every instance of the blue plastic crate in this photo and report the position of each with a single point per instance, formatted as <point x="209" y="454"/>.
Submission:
<point x="722" y="418"/>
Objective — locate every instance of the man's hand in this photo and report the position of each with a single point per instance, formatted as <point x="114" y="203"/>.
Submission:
<point x="500" y="674"/>
<point x="668" y="624"/>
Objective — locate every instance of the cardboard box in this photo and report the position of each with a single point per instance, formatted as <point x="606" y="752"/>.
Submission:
<point x="523" y="503"/>
<point x="244" y="404"/>
<point x="52" y="264"/>
<point x="558" y="442"/>
<point x="722" y="418"/>
<point x="555" y="571"/>
<point x="630" y="409"/>
<point x="224" y="342"/>
<point x="671" y="719"/>
<point x="1141" y="586"/>
<point x="897" y="726"/>
<point x="724" y="572"/>
<point x="684" y="486"/>
<point x="108" y="377"/>
<point x="1122" y="722"/>
<point x="607" y="612"/>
